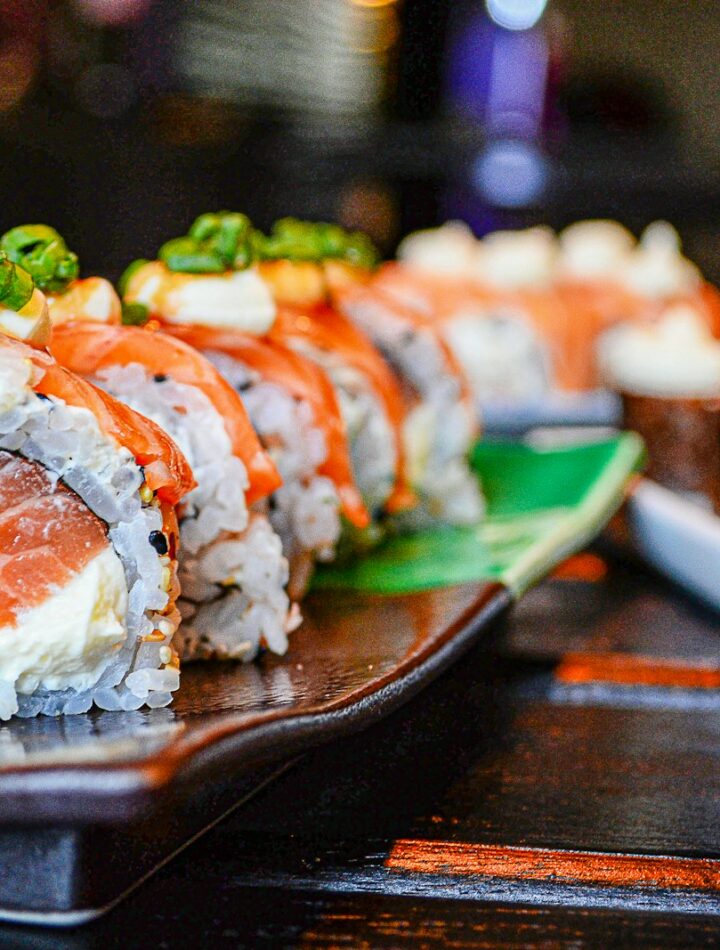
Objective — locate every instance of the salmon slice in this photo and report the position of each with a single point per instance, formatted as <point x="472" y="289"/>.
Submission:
<point x="167" y="471"/>
<point x="87" y="348"/>
<point x="304" y="380"/>
<point x="47" y="536"/>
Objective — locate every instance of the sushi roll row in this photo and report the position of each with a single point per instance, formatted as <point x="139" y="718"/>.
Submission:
<point x="177" y="457"/>
<point x="526" y="312"/>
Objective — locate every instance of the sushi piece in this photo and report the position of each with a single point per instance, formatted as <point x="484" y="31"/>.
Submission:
<point x="88" y="545"/>
<point x="295" y="411"/>
<point x="668" y="375"/>
<point x="374" y="404"/>
<point x="232" y="569"/>
<point x="321" y="277"/>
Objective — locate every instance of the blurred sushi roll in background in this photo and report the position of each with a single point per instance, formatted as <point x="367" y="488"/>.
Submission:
<point x="608" y="276"/>
<point x="525" y="312"/>
<point x="320" y="276"/>
<point x="494" y="304"/>
<point x="88" y="540"/>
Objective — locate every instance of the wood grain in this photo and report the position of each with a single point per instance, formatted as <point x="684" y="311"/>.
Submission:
<point x="635" y="670"/>
<point x="542" y="864"/>
<point x="214" y="911"/>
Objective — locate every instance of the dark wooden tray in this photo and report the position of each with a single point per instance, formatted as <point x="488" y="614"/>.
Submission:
<point x="92" y="804"/>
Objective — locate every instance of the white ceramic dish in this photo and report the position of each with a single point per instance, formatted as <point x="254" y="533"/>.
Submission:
<point x="678" y="537"/>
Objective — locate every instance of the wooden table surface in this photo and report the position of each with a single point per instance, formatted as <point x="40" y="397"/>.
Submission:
<point x="559" y="787"/>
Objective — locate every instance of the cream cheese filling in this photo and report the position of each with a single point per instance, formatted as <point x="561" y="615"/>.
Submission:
<point x="238" y="300"/>
<point x="69" y="639"/>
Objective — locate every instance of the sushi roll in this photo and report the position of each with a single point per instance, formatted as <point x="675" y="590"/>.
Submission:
<point x="371" y="398"/>
<point x="232" y="570"/>
<point x="321" y="277"/>
<point x="604" y="270"/>
<point x="88" y="543"/>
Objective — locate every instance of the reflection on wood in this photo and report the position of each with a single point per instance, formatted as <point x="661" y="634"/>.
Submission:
<point x="541" y="864"/>
<point x="633" y="670"/>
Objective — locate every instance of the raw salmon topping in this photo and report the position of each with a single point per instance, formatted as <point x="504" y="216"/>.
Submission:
<point x="87" y="348"/>
<point x="304" y="380"/>
<point x="47" y="536"/>
<point x="166" y="470"/>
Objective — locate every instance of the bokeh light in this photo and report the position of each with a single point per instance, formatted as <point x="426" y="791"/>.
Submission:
<point x="515" y="14"/>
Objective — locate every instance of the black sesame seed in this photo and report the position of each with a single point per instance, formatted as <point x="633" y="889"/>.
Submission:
<point x="243" y="387"/>
<point x="43" y="397"/>
<point x="160" y="377"/>
<point x="159" y="542"/>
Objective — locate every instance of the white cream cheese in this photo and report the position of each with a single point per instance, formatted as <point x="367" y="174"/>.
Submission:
<point x="69" y="639"/>
<point x="676" y="357"/>
<point x="93" y="299"/>
<point x="239" y="300"/>
<point x="31" y="323"/>
<point x="512" y="260"/>
<point x="447" y="251"/>
<point x="594" y="249"/>
<point x="15" y="378"/>
<point x="657" y="268"/>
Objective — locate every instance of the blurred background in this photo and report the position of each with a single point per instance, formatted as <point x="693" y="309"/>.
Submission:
<point x="122" y="119"/>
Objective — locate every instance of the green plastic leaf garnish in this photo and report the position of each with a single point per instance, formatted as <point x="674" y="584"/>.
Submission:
<point x="16" y="285"/>
<point x="43" y="253"/>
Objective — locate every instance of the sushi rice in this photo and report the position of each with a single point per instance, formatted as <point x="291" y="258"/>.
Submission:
<point x="305" y="510"/>
<point x="233" y="572"/>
